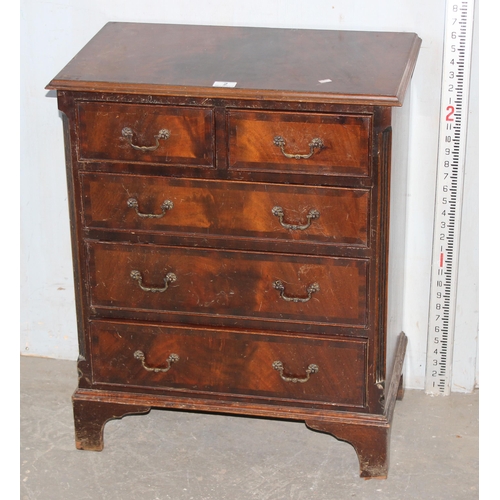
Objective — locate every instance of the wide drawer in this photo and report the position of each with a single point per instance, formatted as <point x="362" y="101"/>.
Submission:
<point x="279" y="287"/>
<point x="229" y="362"/>
<point x="146" y="133"/>
<point x="235" y="209"/>
<point x="305" y="143"/>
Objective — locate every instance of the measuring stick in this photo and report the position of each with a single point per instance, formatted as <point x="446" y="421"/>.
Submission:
<point x="449" y="191"/>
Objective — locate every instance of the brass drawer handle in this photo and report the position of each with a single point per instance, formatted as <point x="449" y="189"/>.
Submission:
<point x="173" y="358"/>
<point x="316" y="143"/>
<point x="169" y="278"/>
<point x="128" y="134"/>
<point x="312" y="368"/>
<point x="166" y="205"/>
<point x="312" y="288"/>
<point x="279" y="212"/>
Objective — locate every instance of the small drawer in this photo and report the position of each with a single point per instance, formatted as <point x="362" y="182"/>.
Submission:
<point x="301" y="143"/>
<point x="146" y="133"/>
<point x="234" y="363"/>
<point x="198" y="282"/>
<point x="281" y="213"/>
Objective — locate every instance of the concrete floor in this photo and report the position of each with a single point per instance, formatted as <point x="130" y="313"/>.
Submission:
<point x="180" y="456"/>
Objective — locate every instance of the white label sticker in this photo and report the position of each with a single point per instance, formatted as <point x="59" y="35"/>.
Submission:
<point x="224" y="84"/>
<point x="325" y="81"/>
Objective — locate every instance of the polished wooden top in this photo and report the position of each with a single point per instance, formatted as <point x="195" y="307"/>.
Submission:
<point x="265" y="63"/>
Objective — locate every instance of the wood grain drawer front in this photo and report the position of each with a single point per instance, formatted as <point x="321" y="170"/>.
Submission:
<point x="229" y="283"/>
<point x="233" y="363"/>
<point x="237" y="209"/>
<point x="326" y="144"/>
<point x="146" y="133"/>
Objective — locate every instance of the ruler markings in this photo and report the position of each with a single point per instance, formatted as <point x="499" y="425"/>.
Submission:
<point x="449" y="186"/>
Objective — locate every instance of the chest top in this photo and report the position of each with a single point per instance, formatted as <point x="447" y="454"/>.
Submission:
<point x="341" y="67"/>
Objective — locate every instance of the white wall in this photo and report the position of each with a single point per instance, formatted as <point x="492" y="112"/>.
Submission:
<point x="52" y="33"/>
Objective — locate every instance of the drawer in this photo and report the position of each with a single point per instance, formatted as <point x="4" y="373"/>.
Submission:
<point x="146" y="133"/>
<point x="302" y="143"/>
<point x="230" y="362"/>
<point x="191" y="281"/>
<point x="234" y="209"/>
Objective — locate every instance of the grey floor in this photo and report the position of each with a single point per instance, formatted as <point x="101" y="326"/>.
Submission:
<point x="178" y="455"/>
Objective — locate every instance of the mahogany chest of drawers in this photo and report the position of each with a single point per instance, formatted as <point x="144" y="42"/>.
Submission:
<point x="237" y="205"/>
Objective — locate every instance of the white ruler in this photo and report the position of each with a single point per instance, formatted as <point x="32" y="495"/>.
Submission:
<point x="449" y="191"/>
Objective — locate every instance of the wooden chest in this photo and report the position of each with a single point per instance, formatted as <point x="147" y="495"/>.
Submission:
<point x="237" y="203"/>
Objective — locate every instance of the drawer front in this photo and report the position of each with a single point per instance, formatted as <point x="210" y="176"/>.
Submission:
<point x="233" y="363"/>
<point x="326" y="144"/>
<point x="279" y="287"/>
<point x="146" y="133"/>
<point x="237" y="209"/>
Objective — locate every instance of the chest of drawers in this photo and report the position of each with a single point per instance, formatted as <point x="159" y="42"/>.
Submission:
<point x="237" y="206"/>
